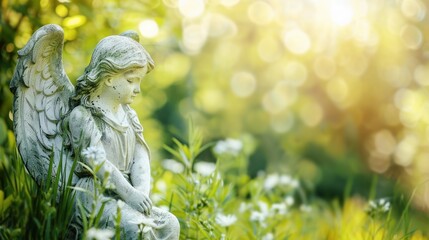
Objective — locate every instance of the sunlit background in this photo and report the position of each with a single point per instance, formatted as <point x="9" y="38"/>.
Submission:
<point x="323" y="89"/>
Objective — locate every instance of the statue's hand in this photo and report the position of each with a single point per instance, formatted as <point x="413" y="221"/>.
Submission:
<point x="139" y="201"/>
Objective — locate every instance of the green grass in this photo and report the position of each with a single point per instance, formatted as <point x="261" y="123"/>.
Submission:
<point x="282" y="210"/>
<point x="33" y="212"/>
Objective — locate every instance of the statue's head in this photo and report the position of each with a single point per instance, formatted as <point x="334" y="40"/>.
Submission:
<point x="112" y="55"/>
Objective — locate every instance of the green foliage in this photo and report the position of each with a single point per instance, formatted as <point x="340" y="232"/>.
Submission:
<point x="30" y="211"/>
<point x="197" y="198"/>
<point x="208" y="206"/>
<point x="273" y="206"/>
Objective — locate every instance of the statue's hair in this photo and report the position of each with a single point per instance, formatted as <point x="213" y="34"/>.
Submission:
<point x="112" y="55"/>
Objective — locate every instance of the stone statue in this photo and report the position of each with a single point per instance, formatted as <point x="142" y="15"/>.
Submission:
<point x="59" y="128"/>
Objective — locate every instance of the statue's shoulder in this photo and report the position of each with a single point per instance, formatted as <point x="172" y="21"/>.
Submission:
<point x="80" y="115"/>
<point x="83" y="127"/>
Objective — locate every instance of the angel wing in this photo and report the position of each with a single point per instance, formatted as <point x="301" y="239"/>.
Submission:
<point x="42" y="92"/>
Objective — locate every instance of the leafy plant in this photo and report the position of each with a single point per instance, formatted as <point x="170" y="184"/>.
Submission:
<point x="35" y="212"/>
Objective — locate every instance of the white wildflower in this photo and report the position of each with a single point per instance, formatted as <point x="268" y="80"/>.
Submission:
<point x="271" y="181"/>
<point x="95" y="156"/>
<point x="110" y="184"/>
<point x="294" y="183"/>
<point x="288" y="181"/>
<point x="173" y="166"/>
<point x="140" y="228"/>
<point x="225" y="220"/>
<point x="143" y="220"/>
<point x="263" y="207"/>
<point x="274" y="180"/>
<point x="194" y="178"/>
<point x="228" y="146"/>
<point x="380" y="205"/>
<point x="204" y="168"/>
<point x="279" y="208"/>
<point x="260" y="216"/>
<point x="99" y="234"/>
<point x="289" y="200"/>
<point x="120" y="204"/>
<point x="223" y="236"/>
<point x="196" y="182"/>
<point x="108" y="168"/>
<point x="146" y="229"/>
<point x="204" y="187"/>
<point x="305" y="208"/>
<point x="385" y="205"/>
<point x="257" y="216"/>
<point x="285" y="179"/>
<point x="268" y="236"/>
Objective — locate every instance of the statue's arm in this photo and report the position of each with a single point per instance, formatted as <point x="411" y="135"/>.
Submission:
<point x="140" y="169"/>
<point x="85" y="133"/>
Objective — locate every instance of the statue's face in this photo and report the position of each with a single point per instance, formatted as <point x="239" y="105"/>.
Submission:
<point x="126" y="86"/>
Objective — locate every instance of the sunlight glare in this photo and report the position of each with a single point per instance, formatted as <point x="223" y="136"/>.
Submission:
<point x="210" y="100"/>
<point x="324" y="67"/>
<point x="274" y="102"/>
<point x="295" y="73"/>
<point x="420" y="75"/>
<point x="282" y="123"/>
<point x="297" y="41"/>
<point x="412" y="37"/>
<point x="341" y="12"/>
<point x="385" y="142"/>
<point x="279" y="98"/>
<point x="413" y="9"/>
<point x="406" y="150"/>
<point x="191" y="8"/>
<point x="260" y="13"/>
<point x="378" y="163"/>
<point x="148" y="28"/>
<point x="44" y="3"/>
<point x="412" y="105"/>
<point x="194" y="38"/>
<point x="243" y="84"/>
<point x="311" y="113"/>
<point x="61" y="10"/>
<point x="219" y="25"/>
<point x="229" y="3"/>
<point x="338" y="91"/>
<point x="74" y="21"/>
<point x="269" y="49"/>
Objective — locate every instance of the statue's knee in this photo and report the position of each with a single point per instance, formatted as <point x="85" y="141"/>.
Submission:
<point x="174" y="222"/>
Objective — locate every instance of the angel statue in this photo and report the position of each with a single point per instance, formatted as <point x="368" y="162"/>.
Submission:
<point x="61" y="130"/>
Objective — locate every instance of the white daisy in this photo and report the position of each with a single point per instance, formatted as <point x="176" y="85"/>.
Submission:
<point x="204" y="168"/>
<point x="228" y="146"/>
<point x="225" y="220"/>
<point x="99" y="234"/>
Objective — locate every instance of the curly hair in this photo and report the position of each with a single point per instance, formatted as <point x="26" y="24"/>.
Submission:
<point x="112" y="55"/>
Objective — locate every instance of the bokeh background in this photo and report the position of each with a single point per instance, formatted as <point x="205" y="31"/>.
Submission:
<point x="330" y="91"/>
